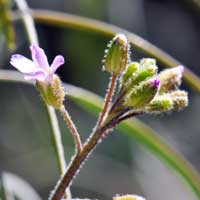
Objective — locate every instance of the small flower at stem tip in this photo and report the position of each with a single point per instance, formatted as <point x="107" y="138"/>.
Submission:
<point x="116" y="55"/>
<point x="38" y="69"/>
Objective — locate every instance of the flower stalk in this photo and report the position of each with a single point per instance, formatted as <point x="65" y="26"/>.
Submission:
<point x="108" y="98"/>
<point x="72" y="128"/>
<point x="96" y="137"/>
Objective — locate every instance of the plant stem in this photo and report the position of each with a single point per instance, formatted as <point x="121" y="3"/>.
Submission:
<point x="56" y="134"/>
<point x="108" y="98"/>
<point x="72" y="128"/>
<point x="95" y="138"/>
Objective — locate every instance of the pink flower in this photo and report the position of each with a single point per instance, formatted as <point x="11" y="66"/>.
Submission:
<point x="38" y="68"/>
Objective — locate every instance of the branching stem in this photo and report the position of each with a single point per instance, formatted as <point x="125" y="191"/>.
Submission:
<point x="79" y="159"/>
<point x="96" y="137"/>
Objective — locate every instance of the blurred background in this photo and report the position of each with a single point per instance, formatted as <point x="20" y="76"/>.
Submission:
<point x="119" y="165"/>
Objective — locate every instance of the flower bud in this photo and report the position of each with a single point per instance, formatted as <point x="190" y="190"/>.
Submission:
<point x="130" y="70"/>
<point x="145" y="62"/>
<point x="142" y="94"/>
<point x="170" y="79"/>
<point x="146" y="70"/>
<point x="128" y="197"/>
<point x="180" y="99"/>
<point x="116" y="55"/>
<point x="51" y="91"/>
<point x="161" y="103"/>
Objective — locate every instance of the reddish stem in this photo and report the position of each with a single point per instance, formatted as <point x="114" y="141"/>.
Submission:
<point x="108" y="99"/>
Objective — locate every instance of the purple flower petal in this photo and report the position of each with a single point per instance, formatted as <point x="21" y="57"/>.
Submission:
<point x="39" y="57"/>
<point x="57" y="62"/>
<point x="23" y="64"/>
<point x="40" y="75"/>
<point x="156" y="83"/>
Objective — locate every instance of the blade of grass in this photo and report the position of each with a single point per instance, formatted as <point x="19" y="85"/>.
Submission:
<point x="134" y="128"/>
<point x="82" y="23"/>
<point x="6" y="24"/>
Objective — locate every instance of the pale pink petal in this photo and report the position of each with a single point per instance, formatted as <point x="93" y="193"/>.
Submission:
<point x="23" y="64"/>
<point x="39" y="57"/>
<point x="156" y="83"/>
<point x="35" y="76"/>
<point x="57" y="62"/>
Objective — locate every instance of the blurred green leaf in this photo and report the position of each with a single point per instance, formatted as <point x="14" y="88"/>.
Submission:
<point x="82" y="23"/>
<point x="133" y="128"/>
<point x="15" y="188"/>
<point x="6" y="26"/>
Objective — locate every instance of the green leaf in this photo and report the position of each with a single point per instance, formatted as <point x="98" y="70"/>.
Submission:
<point x="6" y="26"/>
<point x="133" y="128"/>
<point x="15" y="188"/>
<point x="84" y="24"/>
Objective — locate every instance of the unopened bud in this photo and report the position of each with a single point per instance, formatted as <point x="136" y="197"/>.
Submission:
<point x="129" y="73"/>
<point x="51" y="91"/>
<point x="170" y="79"/>
<point x="161" y="103"/>
<point x="148" y="62"/>
<point x="116" y="55"/>
<point x="146" y="70"/>
<point x="142" y="94"/>
<point x="128" y="197"/>
<point x="180" y="99"/>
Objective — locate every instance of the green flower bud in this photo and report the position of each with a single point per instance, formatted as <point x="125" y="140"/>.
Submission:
<point x="145" y="62"/>
<point x="146" y="70"/>
<point x="51" y="91"/>
<point x="161" y="103"/>
<point x="130" y="70"/>
<point x="180" y="99"/>
<point x="128" y="197"/>
<point x="117" y="55"/>
<point x="141" y="95"/>
<point x="170" y="79"/>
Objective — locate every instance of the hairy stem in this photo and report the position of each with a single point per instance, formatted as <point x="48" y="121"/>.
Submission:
<point x="72" y="128"/>
<point x="108" y="98"/>
<point x="96" y="137"/>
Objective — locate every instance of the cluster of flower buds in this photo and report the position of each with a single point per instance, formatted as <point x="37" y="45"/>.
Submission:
<point x="142" y="88"/>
